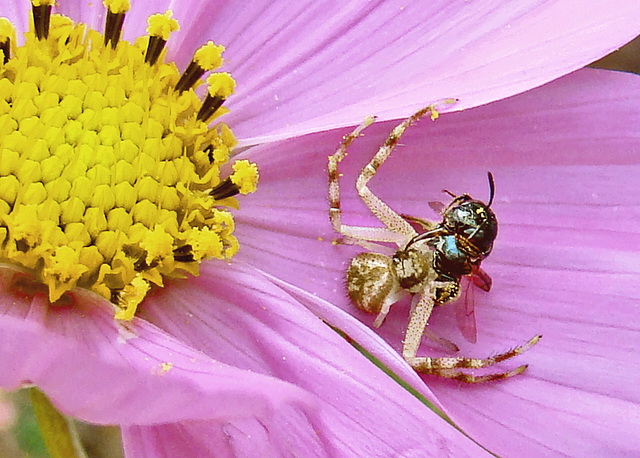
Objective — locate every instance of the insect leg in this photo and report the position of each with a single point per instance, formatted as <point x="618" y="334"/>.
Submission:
<point x="417" y="324"/>
<point x="356" y="233"/>
<point x="383" y="212"/>
<point x="477" y="363"/>
<point x="451" y="367"/>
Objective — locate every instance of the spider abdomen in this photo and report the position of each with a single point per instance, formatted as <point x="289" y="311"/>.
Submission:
<point x="371" y="278"/>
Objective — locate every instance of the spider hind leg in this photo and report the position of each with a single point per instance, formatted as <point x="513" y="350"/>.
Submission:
<point x="451" y="367"/>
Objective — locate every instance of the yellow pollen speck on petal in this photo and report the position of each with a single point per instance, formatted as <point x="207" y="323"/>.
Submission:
<point x="209" y="56"/>
<point x="117" y="6"/>
<point x="161" y="25"/>
<point x="109" y="172"/>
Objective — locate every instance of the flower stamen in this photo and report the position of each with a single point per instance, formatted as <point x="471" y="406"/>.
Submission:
<point x="159" y="28"/>
<point x="41" y="10"/>
<point x="221" y="86"/>
<point x="243" y="180"/>
<point x="206" y="58"/>
<point x="7" y="36"/>
<point x="116" y="10"/>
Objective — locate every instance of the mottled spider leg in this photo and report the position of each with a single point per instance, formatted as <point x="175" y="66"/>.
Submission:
<point x="357" y="234"/>
<point x="432" y="335"/>
<point x="449" y="367"/>
<point x="383" y="212"/>
<point x="415" y="329"/>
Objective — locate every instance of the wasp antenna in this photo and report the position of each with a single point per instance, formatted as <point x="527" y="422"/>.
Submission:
<point x="492" y="188"/>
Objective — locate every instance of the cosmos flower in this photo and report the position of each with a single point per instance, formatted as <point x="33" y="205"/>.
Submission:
<point x="240" y="360"/>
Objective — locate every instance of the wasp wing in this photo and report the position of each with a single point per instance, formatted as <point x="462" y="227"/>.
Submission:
<point x="437" y="206"/>
<point x="464" y="308"/>
<point x="465" y="305"/>
<point x="480" y="278"/>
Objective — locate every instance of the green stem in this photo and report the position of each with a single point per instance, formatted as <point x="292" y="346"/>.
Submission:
<point x="59" y="434"/>
<point x="408" y="387"/>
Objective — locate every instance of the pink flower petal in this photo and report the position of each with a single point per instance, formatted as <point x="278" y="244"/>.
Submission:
<point x="565" y="158"/>
<point x="106" y="372"/>
<point x="233" y="437"/>
<point x="17" y="13"/>
<point x="315" y="66"/>
<point x="318" y="65"/>
<point x="235" y="315"/>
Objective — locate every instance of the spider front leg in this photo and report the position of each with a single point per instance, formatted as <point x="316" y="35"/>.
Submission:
<point x="357" y="234"/>
<point x="398" y="230"/>
<point x="451" y="367"/>
<point x="395" y="222"/>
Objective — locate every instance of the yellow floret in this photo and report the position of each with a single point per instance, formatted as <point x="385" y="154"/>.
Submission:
<point x="158" y="244"/>
<point x="221" y="85"/>
<point x="209" y="56"/>
<point x="117" y="6"/>
<point x="131" y="296"/>
<point x="106" y="171"/>
<point x="161" y="25"/>
<point x="245" y="176"/>
<point x="64" y="270"/>
<point x="7" y="30"/>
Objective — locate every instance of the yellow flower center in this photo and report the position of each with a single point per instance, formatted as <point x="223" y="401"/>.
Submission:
<point x="109" y="171"/>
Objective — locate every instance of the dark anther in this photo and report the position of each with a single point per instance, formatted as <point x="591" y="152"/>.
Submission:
<point x="225" y="189"/>
<point x="41" y="18"/>
<point x="155" y="47"/>
<point x="22" y="245"/>
<point x="115" y="296"/>
<point x="189" y="77"/>
<point x="183" y="254"/>
<point x="209" y="107"/>
<point x="5" y="47"/>
<point x="209" y="151"/>
<point x="113" y="28"/>
<point x="140" y="265"/>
